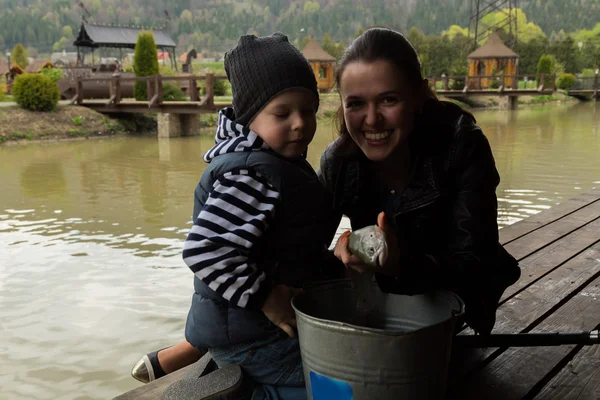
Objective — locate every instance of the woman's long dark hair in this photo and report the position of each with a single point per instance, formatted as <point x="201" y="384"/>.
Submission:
<point x="374" y="45"/>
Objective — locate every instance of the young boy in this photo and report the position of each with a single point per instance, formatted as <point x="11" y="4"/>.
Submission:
<point x="261" y="229"/>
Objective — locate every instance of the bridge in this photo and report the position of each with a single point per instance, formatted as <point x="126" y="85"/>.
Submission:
<point x="178" y="118"/>
<point x="510" y="86"/>
<point x="175" y="118"/>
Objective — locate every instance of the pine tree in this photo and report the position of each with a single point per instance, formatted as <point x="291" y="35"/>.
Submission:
<point x="18" y="56"/>
<point x="145" y="62"/>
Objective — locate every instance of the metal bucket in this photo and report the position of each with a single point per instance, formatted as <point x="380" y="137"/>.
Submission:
<point x="403" y="353"/>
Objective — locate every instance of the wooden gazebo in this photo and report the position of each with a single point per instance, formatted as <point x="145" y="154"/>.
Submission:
<point x="493" y="58"/>
<point x="322" y="64"/>
<point x="94" y="36"/>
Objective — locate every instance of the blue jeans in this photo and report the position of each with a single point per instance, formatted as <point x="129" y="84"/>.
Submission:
<point x="274" y="365"/>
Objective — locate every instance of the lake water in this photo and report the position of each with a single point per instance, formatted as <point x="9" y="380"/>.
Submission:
<point x="91" y="232"/>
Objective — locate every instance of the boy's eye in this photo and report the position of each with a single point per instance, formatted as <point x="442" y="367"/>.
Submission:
<point x="353" y="104"/>
<point x="390" y="100"/>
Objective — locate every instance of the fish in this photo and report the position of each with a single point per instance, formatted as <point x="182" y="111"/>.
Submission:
<point x="369" y="245"/>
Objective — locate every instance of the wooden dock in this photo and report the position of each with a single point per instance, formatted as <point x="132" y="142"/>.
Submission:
<point x="559" y="291"/>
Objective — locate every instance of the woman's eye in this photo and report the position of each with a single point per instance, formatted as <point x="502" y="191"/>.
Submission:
<point x="353" y="104"/>
<point x="281" y="115"/>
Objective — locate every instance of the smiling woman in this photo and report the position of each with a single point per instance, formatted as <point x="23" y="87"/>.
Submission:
<point x="424" y="172"/>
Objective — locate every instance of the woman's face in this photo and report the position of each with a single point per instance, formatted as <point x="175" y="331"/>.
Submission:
<point x="379" y="106"/>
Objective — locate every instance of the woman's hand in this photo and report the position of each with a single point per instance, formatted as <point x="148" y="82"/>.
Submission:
<point x="342" y="252"/>
<point x="278" y="308"/>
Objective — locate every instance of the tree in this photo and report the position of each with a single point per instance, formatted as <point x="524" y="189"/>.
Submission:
<point x="18" y="56"/>
<point x="545" y="66"/>
<point x="145" y="62"/>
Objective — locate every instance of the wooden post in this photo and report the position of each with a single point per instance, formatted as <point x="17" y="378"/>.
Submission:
<point x="542" y="82"/>
<point x="210" y="89"/>
<point x="79" y="91"/>
<point x="193" y="89"/>
<point x="149" y="88"/>
<point x="596" y="87"/>
<point x="445" y="83"/>
<point x="158" y="84"/>
<point x="554" y="82"/>
<point x="117" y="88"/>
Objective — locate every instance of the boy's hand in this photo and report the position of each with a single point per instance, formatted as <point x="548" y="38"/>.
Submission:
<point x="278" y="308"/>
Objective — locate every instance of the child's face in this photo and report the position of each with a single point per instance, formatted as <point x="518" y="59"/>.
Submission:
<point x="287" y="123"/>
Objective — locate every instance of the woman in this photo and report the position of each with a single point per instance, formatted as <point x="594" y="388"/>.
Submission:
<point x="424" y="172"/>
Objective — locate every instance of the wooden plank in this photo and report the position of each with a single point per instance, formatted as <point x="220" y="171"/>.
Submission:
<point x="521" y="372"/>
<point x="523" y="227"/>
<point x="525" y="310"/>
<point x="578" y="380"/>
<point x="551" y="257"/>
<point x="528" y="244"/>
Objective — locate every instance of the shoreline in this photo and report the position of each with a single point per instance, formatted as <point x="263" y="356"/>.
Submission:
<point x="76" y="123"/>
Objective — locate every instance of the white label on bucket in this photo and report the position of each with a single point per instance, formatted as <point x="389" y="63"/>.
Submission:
<point x="325" y="388"/>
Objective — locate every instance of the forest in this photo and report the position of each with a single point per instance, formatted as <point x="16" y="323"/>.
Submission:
<point x="438" y="28"/>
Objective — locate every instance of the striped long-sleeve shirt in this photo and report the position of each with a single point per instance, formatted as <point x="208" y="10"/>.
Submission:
<point x="235" y="215"/>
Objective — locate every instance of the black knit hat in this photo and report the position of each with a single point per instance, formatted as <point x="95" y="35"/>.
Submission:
<point x="261" y="67"/>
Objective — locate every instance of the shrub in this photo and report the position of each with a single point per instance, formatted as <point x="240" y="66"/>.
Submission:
<point x="145" y="62"/>
<point x="495" y="83"/>
<point x="55" y="74"/>
<point x="18" y="56"/>
<point x="172" y="92"/>
<point x="2" y="92"/>
<point x="545" y="66"/>
<point x="458" y="84"/>
<point x="220" y="87"/>
<point x="35" y="92"/>
<point x="566" y="81"/>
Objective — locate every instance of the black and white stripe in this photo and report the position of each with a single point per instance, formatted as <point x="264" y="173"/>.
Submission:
<point x="232" y="137"/>
<point x="234" y="217"/>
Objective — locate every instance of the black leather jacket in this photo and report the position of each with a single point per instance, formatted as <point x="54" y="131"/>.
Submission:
<point x="445" y="215"/>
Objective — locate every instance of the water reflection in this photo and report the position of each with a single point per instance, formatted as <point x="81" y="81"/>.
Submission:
<point x="91" y="232"/>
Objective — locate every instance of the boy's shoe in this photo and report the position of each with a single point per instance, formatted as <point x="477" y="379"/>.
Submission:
<point x="148" y="368"/>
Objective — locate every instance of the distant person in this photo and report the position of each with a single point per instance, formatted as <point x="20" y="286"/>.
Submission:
<point x="259" y="234"/>
<point x="424" y="171"/>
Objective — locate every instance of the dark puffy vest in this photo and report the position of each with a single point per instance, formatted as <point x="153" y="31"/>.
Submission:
<point x="293" y="251"/>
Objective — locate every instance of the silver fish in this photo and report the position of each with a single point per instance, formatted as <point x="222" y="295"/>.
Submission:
<point x="369" y="245"/>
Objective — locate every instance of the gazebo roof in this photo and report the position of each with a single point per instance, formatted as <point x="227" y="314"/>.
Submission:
<point x="92" y="35"/>
<point x="38" y="65"/>
<point x="314" y="52"/>
<point x="493" y="48"/>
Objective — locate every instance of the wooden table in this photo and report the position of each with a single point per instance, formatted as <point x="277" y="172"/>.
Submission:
<point x="559" y="290"/>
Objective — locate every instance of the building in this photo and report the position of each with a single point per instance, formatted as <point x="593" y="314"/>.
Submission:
<point x="37" y="66"/>
<point x="322" y="63"/>
<point x="493" y="58"/>
<point x="94" y="36"/>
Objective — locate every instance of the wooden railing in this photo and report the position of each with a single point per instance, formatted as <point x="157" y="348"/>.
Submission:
<point x="535" y="83"/>
<point x="154" y="88"/>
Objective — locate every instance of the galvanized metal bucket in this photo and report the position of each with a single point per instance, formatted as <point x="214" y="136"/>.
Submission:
<point x="402" y="353"/>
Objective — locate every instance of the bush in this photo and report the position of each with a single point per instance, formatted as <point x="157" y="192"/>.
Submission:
<point x="588" y="73"/>
<point x="35" y="92"/>
<point x="458" y="84"/>
<point x="545" y="66"/>
<point x="495" y="83"/>
<point x="55" y="74"/>
<point x="172" y="92"/>
<point x="2" y="92"/>
<point x="566" y="81"/>
<point x="220" y="87"/>
<point x="145" y="63"/>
